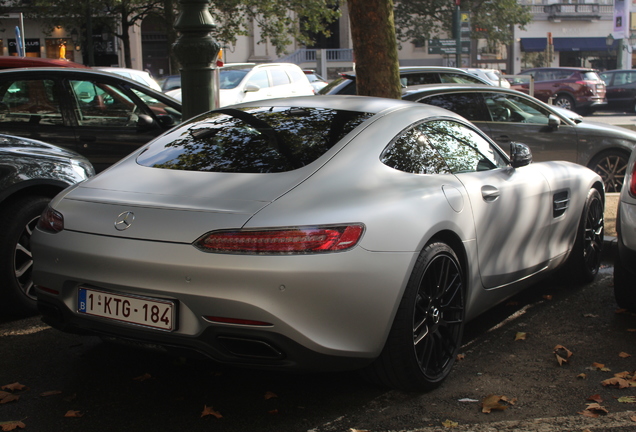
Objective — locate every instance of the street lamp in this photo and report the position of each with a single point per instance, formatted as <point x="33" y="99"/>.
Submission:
<point x="609" y="41"/>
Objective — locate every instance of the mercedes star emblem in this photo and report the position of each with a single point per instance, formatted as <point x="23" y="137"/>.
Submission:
<point x="124" y="220"/>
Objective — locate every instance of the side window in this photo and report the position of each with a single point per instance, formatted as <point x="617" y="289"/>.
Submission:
<point x="607" y="78"/>
<point x="99" y="104"/>
<point x="419" y="78"/>
<point x="632" y="78"/>
<point x="458" y="78"/>
<point x="467" y="105"/>
<point x="30" y="101"/>
<point x="514" y="109"/>
<point x="463" y="149"/>
<point x="297" y="75"/>
<point x="620" y="78"/>
<point x="411" y="152"/>
<point x="279" y="77"/>
<point x="167" y="115"/>
<point x="260" y="79"/>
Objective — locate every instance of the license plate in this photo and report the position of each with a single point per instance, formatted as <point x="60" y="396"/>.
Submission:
<point x="144" y="311"/>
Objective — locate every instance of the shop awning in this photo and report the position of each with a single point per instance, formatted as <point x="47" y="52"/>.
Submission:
<point x="566" y="44"/>
<point x="533" y="44"/>
<point x="582" y="44"/>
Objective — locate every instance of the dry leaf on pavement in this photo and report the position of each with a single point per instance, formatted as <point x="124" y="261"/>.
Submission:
<point x="520" y="336"/>
<point x="491" y="402"/>
<point x="624" y="355"/>
<point x="270" y="395"/>
<point x="615" y="382"/>
<point x="595" y="398"/>
<point x="210" y="411"/>
<point x="9" y="398"/>
<point x="11" y="425"/>
<point x="449" y="424"/>
<point x="73" y="413"/>
<point x="13" y="387"/>
<point x="50" y="393"/>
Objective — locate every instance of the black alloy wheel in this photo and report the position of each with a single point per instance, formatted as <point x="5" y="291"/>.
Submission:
<point x="611" y="166"/>
<point x="428" y="327"/>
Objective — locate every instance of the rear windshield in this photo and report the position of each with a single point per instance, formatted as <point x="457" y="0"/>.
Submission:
<point x="254" y="140"/>
<point x="590" y="76"/>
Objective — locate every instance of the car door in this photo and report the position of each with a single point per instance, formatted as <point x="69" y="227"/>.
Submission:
<point x="511" y="206"/>
<point x="109" y="121"/>
<point x="621" y="92"/>
<point x="35" y="107"/>
<point x="259" y="78"/>
<point x="521" y="119"/>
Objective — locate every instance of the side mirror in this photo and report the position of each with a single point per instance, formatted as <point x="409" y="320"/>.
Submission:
<point x="553" y="121"/>
<point x="144" y="122"/>
<point x="251" y="88"/>
<point x="520" y="154"/>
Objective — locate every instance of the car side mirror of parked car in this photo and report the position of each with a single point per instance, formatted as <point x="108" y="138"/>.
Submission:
<point x="144" y="122"/>
<point x="251" y="88"/>
<point x="553" y="121"/>
<point x="520" y="154"/>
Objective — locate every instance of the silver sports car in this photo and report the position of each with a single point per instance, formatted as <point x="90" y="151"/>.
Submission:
<point x="329" y="233"/>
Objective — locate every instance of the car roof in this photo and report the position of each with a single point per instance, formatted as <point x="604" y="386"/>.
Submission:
<point x="573" y="68"/>
<point x="369" y="104"/>
<point x="7" y="62"/>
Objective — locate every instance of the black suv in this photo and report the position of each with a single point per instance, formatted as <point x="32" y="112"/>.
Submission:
<point x="409" y="76"/>
<point x="31" y="173"/>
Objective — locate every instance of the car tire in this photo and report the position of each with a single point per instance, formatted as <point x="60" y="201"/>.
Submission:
<point x="611" y="166"/>
<point x="18" y="219"/>
<point x="624" y="286"/>
<point x="564" y="101"/>
<point x="427" y="330"/>
<point x="585" y="258"/>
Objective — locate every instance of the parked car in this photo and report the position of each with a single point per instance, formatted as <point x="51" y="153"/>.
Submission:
<point x="316" y="80"/>
<point x="507" y="115"/>
<point x="170" y="82"/>
<point x="136" y="75"/>
<point x="289" y="233"/>
<point x="409" y="76"/>
<point x="624" y="272"/>
<point x="11" y="62"/>
<point x="248" y="82"/>
<point x="577" y="89"/>
<point x="31" y="173"/>
<point x="621" y="89"/>
<point x="98" y="114"/>
<point x="492" y="75"/>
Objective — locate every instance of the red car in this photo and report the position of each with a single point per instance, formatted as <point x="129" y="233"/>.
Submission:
<point x="574" y="88"/>
<point x="10" y="62"/>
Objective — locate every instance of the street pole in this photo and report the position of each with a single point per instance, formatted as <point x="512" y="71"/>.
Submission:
<point x="197" y="53"/>
<point x="458" y="36"/>
<point x="620" y="55"/>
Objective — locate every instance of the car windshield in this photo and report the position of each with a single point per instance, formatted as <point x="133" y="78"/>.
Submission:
<point x="253" y="140"/>
<point x="230" y="78"/>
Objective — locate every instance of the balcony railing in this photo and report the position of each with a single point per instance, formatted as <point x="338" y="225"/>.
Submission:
<point x="572" y="12"/>
<point x="311" y="55"/>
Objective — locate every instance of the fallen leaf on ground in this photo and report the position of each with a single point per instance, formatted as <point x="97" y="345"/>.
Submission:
<point x="461" y="357"/>
<point x="615" y="382"/>
<point x="449" y="424"/>
<point x="598" y="365"/>
<point x="562" y="354"/>
<point x="143" y="377"/>
<point x="73" y="413"/>
<point x="358" y="430"/>
<point x="9" y="398"/>
<point x="589" y="315"/>
<point x="631" y="330"/>
<point x="627" y="399"/>
<point x="547" y="297"/>
<point x="561" y="360"/>
<point x="595" y="398"/>
<point x="491" y="402"/>
<point x="582" y="376"/>
<point x="210" y="411"/>
<point x="624" y="355"/>
<point x="270" y="395"/>
<point x="520" y="336"/>
<point x="13" y="387"/>
<point x="624" y="374"/>
<point x="273" y="412"/>
<point x="11" y="425"/>
<point x="50" y="393"/>
<point x="633" y="418"/>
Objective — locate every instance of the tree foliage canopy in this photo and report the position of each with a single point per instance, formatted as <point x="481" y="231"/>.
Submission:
<point x="419" y="20"/>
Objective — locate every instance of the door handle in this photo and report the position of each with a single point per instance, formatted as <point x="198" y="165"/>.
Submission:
<point x="503" y="138"/>
<point x="489" y="193"/>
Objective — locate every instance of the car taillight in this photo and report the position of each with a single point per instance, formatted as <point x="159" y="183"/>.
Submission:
<point x="51" y="221"/>
<point x="283" y="241"/>
<point x="632" y="181"/>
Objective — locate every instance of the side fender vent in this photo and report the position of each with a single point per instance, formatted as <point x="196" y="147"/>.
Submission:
<point x="560" y="203"/>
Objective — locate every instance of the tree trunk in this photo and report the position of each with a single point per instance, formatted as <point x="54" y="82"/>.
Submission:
<point x="375" y="48"/>
<point x="125" y="39"/>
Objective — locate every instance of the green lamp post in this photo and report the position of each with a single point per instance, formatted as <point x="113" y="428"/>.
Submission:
<point x="197" y="53"/>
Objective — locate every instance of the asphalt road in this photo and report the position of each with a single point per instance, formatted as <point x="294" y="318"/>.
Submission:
<point x="113" y="388"/>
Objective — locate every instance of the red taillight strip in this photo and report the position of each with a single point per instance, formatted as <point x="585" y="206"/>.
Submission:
<point x="283" y="240"/>
<point x="632" y="181"/>
<point x="51" y="221"/>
